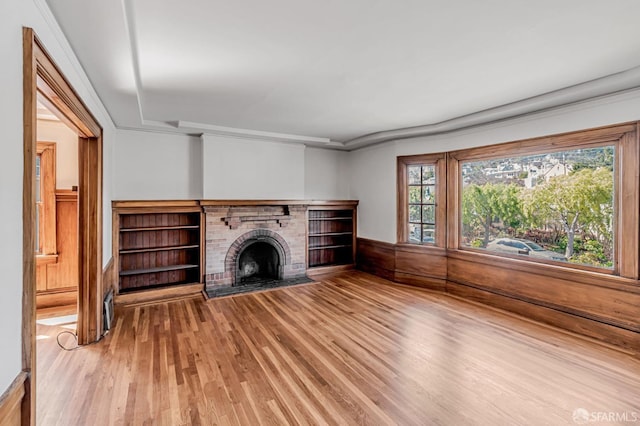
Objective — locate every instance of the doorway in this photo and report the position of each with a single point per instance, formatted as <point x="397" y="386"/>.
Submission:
<point x="41" y="77"/>
<point x="56" y="175"/>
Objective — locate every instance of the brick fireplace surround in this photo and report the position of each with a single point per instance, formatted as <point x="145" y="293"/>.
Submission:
<point x="230" y="228"/>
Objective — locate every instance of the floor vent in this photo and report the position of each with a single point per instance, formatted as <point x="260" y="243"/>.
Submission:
<point x="108" y="311"/>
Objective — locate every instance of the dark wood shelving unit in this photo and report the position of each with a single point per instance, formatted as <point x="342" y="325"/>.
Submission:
<point x="158" y="247"/>
<point x="331" y="235"/>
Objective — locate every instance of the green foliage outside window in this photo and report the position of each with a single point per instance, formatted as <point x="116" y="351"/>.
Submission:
<point x="561" y="201"/>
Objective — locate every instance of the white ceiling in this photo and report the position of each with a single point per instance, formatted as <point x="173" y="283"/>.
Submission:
<point x="337" y="70"/>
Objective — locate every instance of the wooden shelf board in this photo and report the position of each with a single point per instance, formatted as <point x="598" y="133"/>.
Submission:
<point x="162" y="206"/>
<point x="330" y="218"/>
<point x="313" y="204"/>
<point x="330" y="234"/>
<point x="331" y="264"/>
<point x="160" y="228"/>
<point x="137" y="296"/>
<point x="330" y="247"/>
<point x="152" y="249"/>
<point x="157" y="269"/>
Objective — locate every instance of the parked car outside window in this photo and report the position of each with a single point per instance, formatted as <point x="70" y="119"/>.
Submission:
<point x="523" y="247"/>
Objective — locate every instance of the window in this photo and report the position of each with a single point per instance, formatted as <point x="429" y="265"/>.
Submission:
<point x="552" y="206"/>
<point x="569" y="200"/>
<point x="46" y="198"/>
<point x="422" y="203"/>
<point x="421" y="199"/>
<point x="39" y="204"/>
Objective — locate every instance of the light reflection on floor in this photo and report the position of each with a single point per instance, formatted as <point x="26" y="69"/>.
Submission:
<point x="63" y="321"/>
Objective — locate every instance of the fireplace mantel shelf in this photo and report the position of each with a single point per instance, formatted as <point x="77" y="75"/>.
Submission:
<point x="234" y="221"/>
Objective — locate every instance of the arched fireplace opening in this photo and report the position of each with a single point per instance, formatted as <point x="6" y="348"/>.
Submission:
<point x="260" y="261"/>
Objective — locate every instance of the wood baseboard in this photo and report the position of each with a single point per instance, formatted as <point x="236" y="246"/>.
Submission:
<point x="430" y="283"/>
<point x="55" y="299"/>
<point x="11" y="401"/>
<point x="321" y="270"/>
<point x="161" y="294"/>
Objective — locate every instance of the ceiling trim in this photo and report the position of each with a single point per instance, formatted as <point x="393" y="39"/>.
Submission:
<point x="607" y="85"/>
<point x="571" y="95"/>
<point x="233" y="131"/>
<point x="129" y="24"/>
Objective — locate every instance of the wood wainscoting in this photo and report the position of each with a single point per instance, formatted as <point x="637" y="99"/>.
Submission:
<point x="421" y="265"/>
<point x="109" y="278"/>
<point x="11" y="402"/>
<point x="597" y="305"/>
<point x="57" y="276"/>
<point x="417" y="265"/>
<point x="376" y="257"/>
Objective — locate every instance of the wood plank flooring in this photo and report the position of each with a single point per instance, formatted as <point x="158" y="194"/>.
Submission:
<point x="351" y="349"/>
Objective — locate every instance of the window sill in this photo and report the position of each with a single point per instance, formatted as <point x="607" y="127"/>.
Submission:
<point x="46" y="259"/>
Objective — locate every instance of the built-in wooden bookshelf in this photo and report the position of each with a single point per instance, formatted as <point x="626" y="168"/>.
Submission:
<point x="158" y="247"/>
<point x="331" y="235"/>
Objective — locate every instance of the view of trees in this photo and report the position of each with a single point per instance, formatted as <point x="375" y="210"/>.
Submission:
<point x="563" y="202"/>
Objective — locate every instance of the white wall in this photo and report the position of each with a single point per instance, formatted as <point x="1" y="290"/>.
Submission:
<point x="372" y="179"/>
<point x="170" y="166"/>
<point x="325" y="174"/>
<point x="157" y="166"/>
<point x="372" y="169"/>
<point x="238" y="168"/>
<point x="14" y="14"/>
<point x="66" y="151"/>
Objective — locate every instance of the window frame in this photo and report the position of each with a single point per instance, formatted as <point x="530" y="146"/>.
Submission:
<point x="47" y="208"/>
<point x="625" y="200"/>
<point x="440" y="164"/>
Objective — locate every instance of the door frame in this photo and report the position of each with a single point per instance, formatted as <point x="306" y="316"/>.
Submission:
<point x="41" y="74"/>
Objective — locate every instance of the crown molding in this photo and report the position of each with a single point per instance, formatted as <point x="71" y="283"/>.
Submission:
<point x="130" y="26"/>
<point x="253" y="134"/>
<point x="571" y="95"/>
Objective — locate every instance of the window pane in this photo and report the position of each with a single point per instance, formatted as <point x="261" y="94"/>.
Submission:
<point x="38" y="164"/>
<point x="414" y="214"/>
<point x="428" y="214"/>
<point x="37" y="229"/>
<point x="414" y="194"/>
<point x="428" y="233"/>
<point x="414" y="233"/>
<point x="421" y="199"/>
<point x="414" y="174"/>
<point x="428" y="194"/>
<point x="547" y="206"/>
<point x="429" y="175"/>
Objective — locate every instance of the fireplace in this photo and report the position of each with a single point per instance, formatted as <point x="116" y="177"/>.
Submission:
<point x="253" y="246"/>
<point x="260" y="261"/>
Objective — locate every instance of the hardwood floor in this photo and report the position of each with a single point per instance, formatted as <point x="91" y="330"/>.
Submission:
<point x="352" y="349"/>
